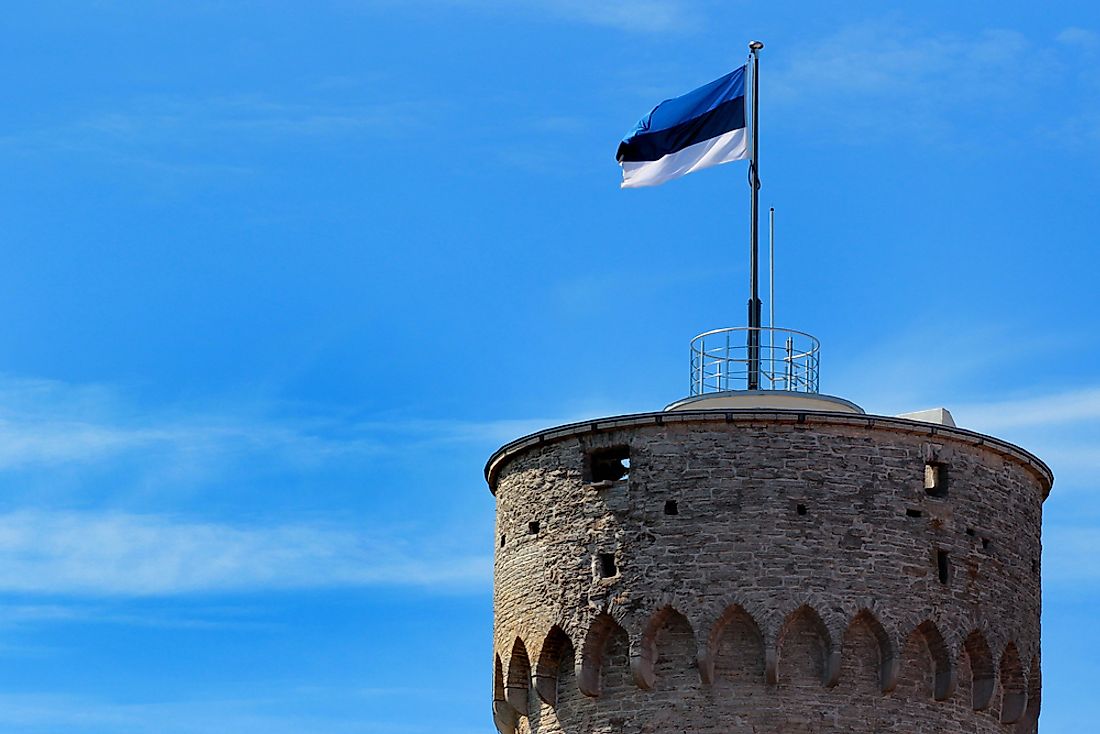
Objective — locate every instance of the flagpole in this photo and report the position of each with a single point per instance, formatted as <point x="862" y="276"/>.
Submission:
<point x="754" y="259"/>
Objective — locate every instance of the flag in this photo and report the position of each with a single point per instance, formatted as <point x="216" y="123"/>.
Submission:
<point x="701" y="129"/>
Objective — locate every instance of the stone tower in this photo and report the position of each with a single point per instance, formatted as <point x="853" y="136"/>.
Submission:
<point x="766" y="561"/>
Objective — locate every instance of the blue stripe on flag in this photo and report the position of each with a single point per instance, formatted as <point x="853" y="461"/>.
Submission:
<point x="652" y="146"/>
<point x="678" y="110"/>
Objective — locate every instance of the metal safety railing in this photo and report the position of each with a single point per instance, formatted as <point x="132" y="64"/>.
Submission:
<point x="723" y="360"/>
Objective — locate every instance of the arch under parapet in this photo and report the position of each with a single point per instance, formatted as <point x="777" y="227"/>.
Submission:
<point x="804" y="650"/>
<point x="983" y="675"/>
<point x="590" y="667"/>
<point x="887" y="662"/>
<point x="735" y="648"/>
<point x="1013" y="685"/>
<point x="556" y="648"/>
<point x="504" y="716"/>
<point x="1029" y="722"/>
<point x="929" y="658"/>
<point x="943" y="676"/>
<point x="518" y="681"/>
<point x="665" y="623"/>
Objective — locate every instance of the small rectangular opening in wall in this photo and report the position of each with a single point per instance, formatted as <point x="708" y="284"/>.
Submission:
<point x="533" y="527"/>
<point x="671" y="508"/>
<point x="503" y="538"/>
<point x="970" y="532"/>
<point x="935" y="479"/>
<point x="609" y="464"/>
<point x="943" y="566"/>
<point x="914" y="513"/>
<point x="608" y="568"/>
<point x="800" y="509"/>
<point x="985" y="544"/>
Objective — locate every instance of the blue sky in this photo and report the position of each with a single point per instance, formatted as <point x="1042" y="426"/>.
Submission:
<point x="277" y="277"/>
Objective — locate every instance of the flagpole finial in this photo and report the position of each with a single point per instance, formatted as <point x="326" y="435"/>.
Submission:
<point x="756" y="45"/>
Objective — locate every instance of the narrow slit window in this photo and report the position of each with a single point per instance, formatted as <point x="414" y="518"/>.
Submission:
<point x="914" y="513"/>
<point x="800" y="509"/>
<point x="533" y="527"/>
<point x="943" y="566"/>
<point x="985" y="543"/>
<point x="503" y="538"/>
<point x="935" y="479"/>
<point x="671" y="508"/>
<point x="608" y="569"/>
<point x="610" y="464"/>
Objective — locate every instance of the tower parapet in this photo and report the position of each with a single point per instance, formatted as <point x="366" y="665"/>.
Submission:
<point x="766" y="570"/>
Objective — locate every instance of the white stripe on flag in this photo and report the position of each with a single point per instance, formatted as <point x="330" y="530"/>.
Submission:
<point x="731" y="146"/>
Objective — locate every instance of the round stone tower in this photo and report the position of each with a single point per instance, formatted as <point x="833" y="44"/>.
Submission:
<point x="765" y="561"/>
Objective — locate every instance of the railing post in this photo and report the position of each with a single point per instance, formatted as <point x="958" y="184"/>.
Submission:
<point x="817" y="371"/>
<point x="791" y="385"/>
<point x="726" y="359"/>
<point x="699" y="370"/>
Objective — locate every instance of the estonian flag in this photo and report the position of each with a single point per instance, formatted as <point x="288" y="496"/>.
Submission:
<point x="698" y="130"/>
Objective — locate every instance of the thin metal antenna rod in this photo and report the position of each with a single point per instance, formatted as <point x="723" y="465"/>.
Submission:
<point x="771" y="290"/>
<point x="771" y="267"/>
<point x="754" y="260"/>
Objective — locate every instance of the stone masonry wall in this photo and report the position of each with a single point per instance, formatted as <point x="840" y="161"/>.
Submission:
<point x="772" y="572"/>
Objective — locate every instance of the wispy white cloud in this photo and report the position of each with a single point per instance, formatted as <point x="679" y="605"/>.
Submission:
<point x="635" y="16"/>
<point x="890" y="58"/>
<point x="909" y="372"/>
<point x="111" y="554"/>
<point x="1078" y="131"/>
<point x="1080" y="38"/>
<point x="17" y="615"/>
<point x="267" y="713"/>
<point x="51" y="429"/>
<point x="650" y="16"/>
<point x="1061" y="428"/>
<point x="886" y="79"/>
<point x="244" y="115"/>
<point x="177" y="135"/>
<point x="417" y="433"/>
<point x="49" y="422"/>
<point x="1069" y="407"/>
<point x="904" y="370"/>
<point x="486" y="433"/>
